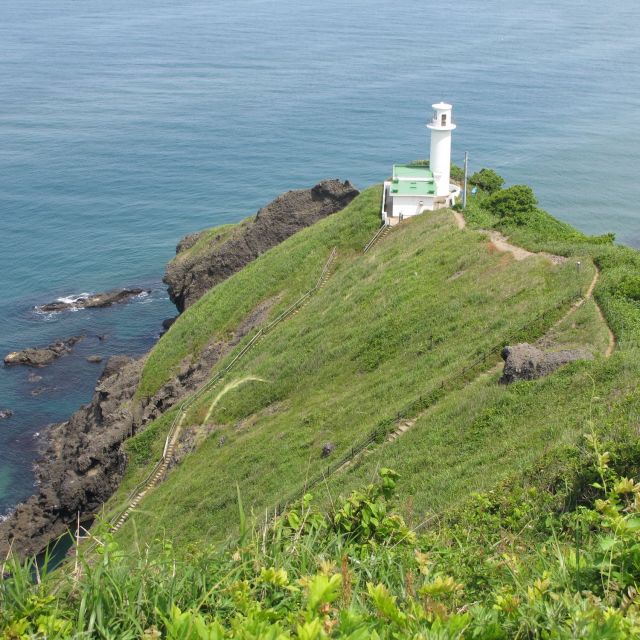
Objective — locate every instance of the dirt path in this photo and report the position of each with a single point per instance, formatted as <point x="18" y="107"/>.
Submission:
<point x="501" y="243"/>
<point x="612" y="339"/>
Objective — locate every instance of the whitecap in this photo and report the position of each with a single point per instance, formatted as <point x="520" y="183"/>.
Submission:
<point x="73" y="298"/>
<point x="70" y="300"/>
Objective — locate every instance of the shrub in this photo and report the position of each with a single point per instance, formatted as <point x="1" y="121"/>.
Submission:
<point x="630" y="287"/>
<point x="513" y="204"/>
<point x="487" y="180"/>
<point x="457" y="173"/>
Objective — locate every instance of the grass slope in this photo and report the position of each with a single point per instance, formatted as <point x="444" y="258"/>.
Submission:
<point x="285" y="272"/>
<point x="388" y="326"/>
<point x="548" y="549"/>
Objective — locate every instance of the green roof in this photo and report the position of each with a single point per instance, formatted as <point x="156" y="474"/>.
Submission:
<point x="412" y="172"/>
<point x="412" y="180"/>
<point x="412" y="188"/>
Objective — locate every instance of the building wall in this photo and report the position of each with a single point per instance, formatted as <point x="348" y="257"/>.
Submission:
<point x="408" y="206"/>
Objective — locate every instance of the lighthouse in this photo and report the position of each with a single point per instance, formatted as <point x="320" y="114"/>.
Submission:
<point x="418" y="187"/>
<point x="441" y="126"/>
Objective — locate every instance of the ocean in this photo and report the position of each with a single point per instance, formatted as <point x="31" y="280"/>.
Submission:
<point x="124" y="126"/>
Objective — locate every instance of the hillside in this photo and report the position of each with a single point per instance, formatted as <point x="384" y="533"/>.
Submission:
<point x="368" y="350"/>
<point x="510" y="510"/>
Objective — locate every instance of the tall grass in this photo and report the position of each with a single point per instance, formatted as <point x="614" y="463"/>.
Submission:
<point x="505" y="566"/>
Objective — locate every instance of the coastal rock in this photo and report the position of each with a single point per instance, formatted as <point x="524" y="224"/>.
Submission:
<point x="189" y="276"/>
<point x="167" y="323"/>
<point x="105" y="299"/>
<point x="94" y="359"/>
<point x="526" y="362"/>
<point x="5" y="413"/>
<point x="82" y="465"/>
<point x="84" y="461"/>
<point x="40" y="356"/>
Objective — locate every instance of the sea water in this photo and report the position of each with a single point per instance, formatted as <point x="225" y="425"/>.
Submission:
<point x="125" y="125"/>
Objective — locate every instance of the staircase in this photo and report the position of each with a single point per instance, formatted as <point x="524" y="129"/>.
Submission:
<point x="161" y="468"/>
<point x="382" y="233"/>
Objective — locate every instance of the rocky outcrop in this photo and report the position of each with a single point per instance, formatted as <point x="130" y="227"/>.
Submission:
<point x="526" y="362"/>
<point x="5" y="414"/>
<point x="40" y="356"/>
<point x="93" y="301"/>
<point x="82" y="464"/>
<point x="84" y="460"/>
<point x="189" y="276"/>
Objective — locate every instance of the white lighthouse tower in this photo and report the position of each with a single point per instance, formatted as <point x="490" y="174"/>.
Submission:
<point x="415" y="187"/>
<point x="440" y="156"/>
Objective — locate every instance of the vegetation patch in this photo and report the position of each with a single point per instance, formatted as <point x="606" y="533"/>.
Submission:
<point x="518" y="561"/>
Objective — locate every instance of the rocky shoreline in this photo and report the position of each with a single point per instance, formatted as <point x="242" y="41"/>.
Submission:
<point x="84" y="459"/>
<point x="91" y="301"/>
<point x="41" y="356"/>
<point x="191" y="273"/>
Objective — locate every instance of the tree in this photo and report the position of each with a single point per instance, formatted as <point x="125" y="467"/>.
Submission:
<point x="487" y="180"/>
<point x="513" y="204"/>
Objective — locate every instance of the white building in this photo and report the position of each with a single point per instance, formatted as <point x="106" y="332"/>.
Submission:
<point x="415" y="188"/>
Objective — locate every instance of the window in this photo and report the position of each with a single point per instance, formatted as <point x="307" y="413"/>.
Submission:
<point x="444" y="120"/>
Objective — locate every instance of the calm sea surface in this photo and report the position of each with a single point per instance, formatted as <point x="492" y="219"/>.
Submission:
<point x="124" y="125"/>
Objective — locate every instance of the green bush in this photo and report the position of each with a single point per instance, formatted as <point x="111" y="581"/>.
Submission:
<point x="487" y="180"/>
<point x="511" y="566"/>
<point x="629" y="287"/>
<point x="457" y="173"/>
<point x="513" y="204"/>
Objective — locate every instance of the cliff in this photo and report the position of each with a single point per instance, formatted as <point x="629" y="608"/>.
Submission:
<point x="83" y="461"/>
<point x="204" y="259"/>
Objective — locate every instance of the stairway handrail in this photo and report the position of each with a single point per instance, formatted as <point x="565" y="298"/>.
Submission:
<point x="211" y="383"/>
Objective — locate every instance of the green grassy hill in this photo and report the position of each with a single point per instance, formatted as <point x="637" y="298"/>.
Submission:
<point x="371" y="349"/>
<point x="511" y="511"/>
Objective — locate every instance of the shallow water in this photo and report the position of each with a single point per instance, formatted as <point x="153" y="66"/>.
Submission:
<point x="125" y="128"/>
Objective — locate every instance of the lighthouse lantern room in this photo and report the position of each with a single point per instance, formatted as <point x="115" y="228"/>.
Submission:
<point x="415" y="188"/>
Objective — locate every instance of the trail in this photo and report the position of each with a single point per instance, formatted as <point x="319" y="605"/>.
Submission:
<point x="501" y="243"/>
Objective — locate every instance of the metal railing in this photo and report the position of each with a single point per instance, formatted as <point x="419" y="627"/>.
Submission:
<point x="174" y="428"/>
<point x="375" y="238"/>
<point x="424" y="401"/>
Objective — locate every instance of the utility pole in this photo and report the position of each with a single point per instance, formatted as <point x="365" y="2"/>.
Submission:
<point x="466" y="167"/>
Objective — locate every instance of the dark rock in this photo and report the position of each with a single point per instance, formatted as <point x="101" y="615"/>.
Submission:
<point x="38" y="357"/>
<point x="95" y="359"/>
<point x="5" y="413"/>
<point x="167" y="323"/>
<point x="105" y="299"/>
<point x="82" y="464"/>
<point x="327" y="449"/>
<point x="189" y="276"/>
<point x="526" y="362"/>
<point x="102" y="337"/>
<point x="84" y="461"/>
